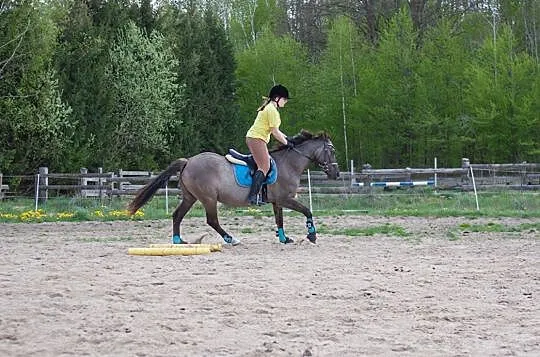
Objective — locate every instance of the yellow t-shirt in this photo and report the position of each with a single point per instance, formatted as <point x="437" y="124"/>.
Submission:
<point x="267" y="119"/>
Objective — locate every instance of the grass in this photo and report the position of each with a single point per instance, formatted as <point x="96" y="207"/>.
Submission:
<point x="428" y="202"/>
<point x="491" y="227"/>
<point x="409" y="202"/>
<point x="386" y="229"/>
<point x="106" y="240"/>
<point x="497" y="227"/>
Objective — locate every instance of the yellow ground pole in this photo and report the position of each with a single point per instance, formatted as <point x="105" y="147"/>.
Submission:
<point x="169" y="251"/>
<point x="213" y="247"/>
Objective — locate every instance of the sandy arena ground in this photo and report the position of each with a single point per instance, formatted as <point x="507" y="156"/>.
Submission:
<point x="70" y="289"/>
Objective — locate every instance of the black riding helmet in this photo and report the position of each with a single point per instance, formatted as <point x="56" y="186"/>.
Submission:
<point x="279" y="91"/>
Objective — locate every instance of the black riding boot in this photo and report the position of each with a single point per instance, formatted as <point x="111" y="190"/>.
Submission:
<point x="258" y="179"/>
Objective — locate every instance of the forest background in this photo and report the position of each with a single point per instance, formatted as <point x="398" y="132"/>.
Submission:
<point x="135" y="84"/>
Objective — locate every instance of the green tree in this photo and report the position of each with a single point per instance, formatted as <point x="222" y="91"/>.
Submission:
<point x="335" y="90"/>
<point x="440" y="95"/>
<point x="35" y="126"/>
<point x="87" y="33"/>
<point x="250" y="18"/>
<point x="213" y="100"/>
<point x="141" y="83"/>
<point x="206" y="68"/>
<point x="274" y="59"/>
<point x="391" y="127"/>
<point x="523" y="16"/>
<point x="502" y="99"/>
<point x="144" y="15"/>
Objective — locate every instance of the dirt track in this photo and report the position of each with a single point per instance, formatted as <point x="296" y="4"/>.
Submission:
<point x="71" y="289"/>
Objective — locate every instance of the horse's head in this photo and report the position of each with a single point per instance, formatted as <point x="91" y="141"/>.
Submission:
<point x="319" y="149"/>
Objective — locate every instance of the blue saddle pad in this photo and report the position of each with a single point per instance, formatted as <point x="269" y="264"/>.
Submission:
<point x="243" y="175"/>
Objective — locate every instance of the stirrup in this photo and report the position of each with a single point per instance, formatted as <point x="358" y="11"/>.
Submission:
<point x="257" y="201"/>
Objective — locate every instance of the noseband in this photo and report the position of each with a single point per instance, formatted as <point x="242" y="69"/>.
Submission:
<point x="324" y="165"/>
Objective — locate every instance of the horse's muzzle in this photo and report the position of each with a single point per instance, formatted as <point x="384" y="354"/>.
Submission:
<point x="332" y="171"/>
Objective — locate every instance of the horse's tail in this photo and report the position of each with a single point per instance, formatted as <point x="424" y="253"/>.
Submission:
<point x="146" y="193"/>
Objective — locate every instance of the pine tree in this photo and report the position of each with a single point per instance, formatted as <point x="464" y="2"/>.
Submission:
<point x="216" y="96"/>
<point x="206" y="69"/>
<point x="83" y="54"/>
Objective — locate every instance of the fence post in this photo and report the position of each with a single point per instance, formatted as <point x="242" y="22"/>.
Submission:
<point x="367" y="178"/>
<point x="83" y="181"/>
<point x="474" y="187"/>
<point x="112" y="186"/>
<point x="435" y="175"/>
<point x="120" y="183"/>
<point x="353" y="178"/>
<point x="100" y="182"/>
<point x="43" y="183"/>
<point x="465" y="165"/>
<point x="1" y="193"/>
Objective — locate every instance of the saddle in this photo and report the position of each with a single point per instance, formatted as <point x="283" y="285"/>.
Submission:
<point x="241" y="159"/>
<point x="245" y="167"/>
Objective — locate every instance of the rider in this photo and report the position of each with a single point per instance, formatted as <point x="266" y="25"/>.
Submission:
<point x="267" y="122"/>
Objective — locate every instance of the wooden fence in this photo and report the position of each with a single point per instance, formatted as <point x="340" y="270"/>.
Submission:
<point x="3" y="188"/>
<point x="100" y="184"/>
<point x="126" y="182"/>
<point x="522" y="176"/>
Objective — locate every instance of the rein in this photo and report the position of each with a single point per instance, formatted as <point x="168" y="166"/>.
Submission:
<point x="325" y="166"/>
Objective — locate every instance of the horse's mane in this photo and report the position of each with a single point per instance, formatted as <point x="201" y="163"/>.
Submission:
<point x="302" y="136"/>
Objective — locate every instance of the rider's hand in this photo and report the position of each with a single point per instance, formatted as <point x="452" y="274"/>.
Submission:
<point x="289" y="144"/>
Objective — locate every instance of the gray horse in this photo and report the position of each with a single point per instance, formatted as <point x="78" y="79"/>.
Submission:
<point x="209" y="178"/>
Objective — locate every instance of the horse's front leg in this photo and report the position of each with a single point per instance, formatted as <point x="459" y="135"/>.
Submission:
<point x="280" y="233"/>
<point x="298" y="207"/>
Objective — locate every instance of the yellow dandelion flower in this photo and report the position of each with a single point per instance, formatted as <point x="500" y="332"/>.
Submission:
<point x="32" y="215"/>
<point x="8" y="216"/>
<point x="65" y="215"/>
<point x="116" y="213"/>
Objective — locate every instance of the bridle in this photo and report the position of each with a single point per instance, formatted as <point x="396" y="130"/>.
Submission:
<point x="324" y="165"/>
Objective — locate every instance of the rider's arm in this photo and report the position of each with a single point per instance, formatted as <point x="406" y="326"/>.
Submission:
<point x="282" y="138"/>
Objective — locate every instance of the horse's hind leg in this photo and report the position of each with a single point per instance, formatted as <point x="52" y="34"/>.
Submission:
<point x="210" y="207"/>
<point x="179" y="213"/>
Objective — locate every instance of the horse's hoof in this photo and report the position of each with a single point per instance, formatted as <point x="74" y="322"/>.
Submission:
<point x="286" y="241"/>
<point x="177" y="240"/>
<point x="231" y="240"/>
<point x="312" y="237"/>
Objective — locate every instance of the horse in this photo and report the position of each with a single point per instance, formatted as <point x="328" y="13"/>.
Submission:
<point x="209" y="178"/>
